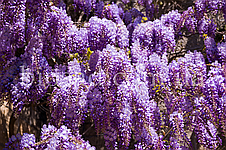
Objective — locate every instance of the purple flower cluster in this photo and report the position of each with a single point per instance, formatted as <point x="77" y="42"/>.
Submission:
<point x="209" y="108"/>
<point x="69" y="102"/>
<point x="27" y="141"/>
<point x="51" y="138"/>
<point x="27" y="80"/>
<point x="211" y="49"/>
<point x="101" y="33"/>
<point x="178" y="128"/>
<point x="32" y="77"/>
<point x="99" y="9"/>
<point x="122" y="36"/>
<point x="190" y="20"/>
<point x="124" y="95"/>
<point x="12" y="28"/>
<point x="222" y="51"/>
<point x="143" y="117"/>
<point x="215" y="89"/>
<point x="111" y="12"/>
<point x="187" y="76"/>
<point x="112" y="69"/>
<point x="110" y="137"/>
<point x="206" y="133"/>
<point x="14" y="142"/>
<point x="79" y="40"/>
<point x="9" y="73"/>
<point x="18" y="142"/>
<point x="155" y="36"/>
<point x="158" y="74"/>
<point x="55" y="32"/>
<point x="144" y="2"/>
<point x="171" y="19"/>
<point x="85" y="5"/>
<point x="139" y="55"/>
<point x="202" y="6"/>
<point x="206" y="26"/>
<point x="55" y="138"/>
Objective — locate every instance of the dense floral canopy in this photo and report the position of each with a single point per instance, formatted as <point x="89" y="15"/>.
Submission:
<point x="118" y="68"/>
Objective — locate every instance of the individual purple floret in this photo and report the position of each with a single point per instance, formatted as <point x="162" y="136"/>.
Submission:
<point x="27" y="141"/>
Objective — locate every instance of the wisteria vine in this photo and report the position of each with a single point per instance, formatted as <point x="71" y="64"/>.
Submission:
<point x="114" y="69"/>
